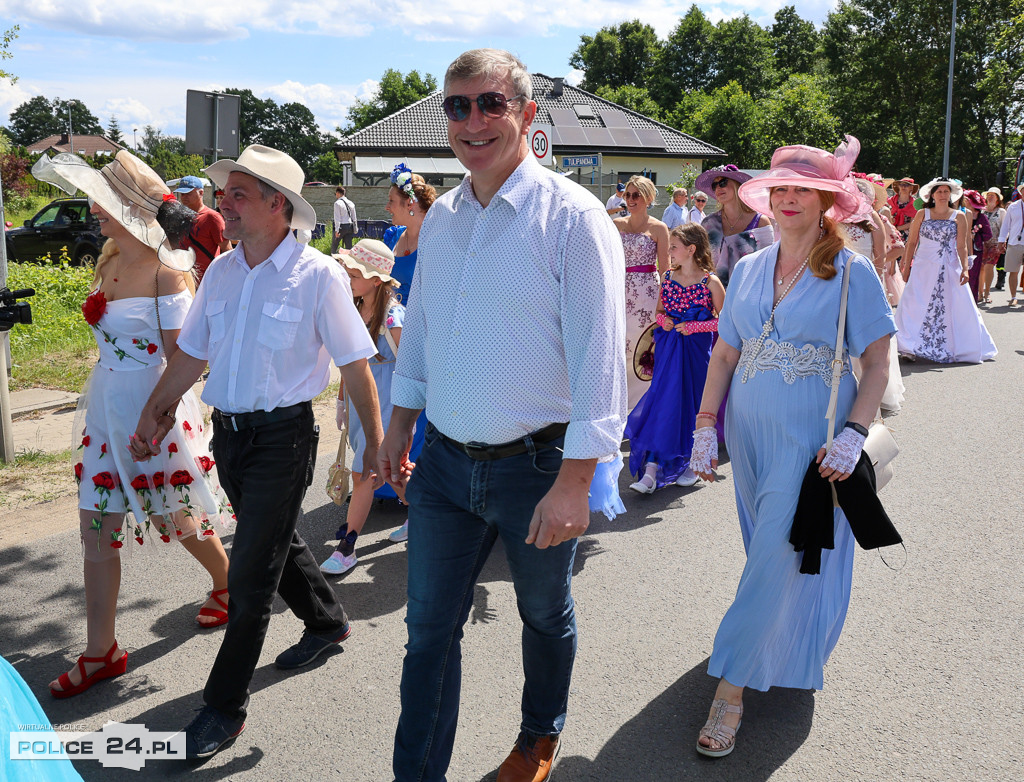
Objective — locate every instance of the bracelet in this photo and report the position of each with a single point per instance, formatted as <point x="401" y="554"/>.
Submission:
<point x="712" y="416"/>
<point x="856" y="427"/>
<point x="167" y="414"/>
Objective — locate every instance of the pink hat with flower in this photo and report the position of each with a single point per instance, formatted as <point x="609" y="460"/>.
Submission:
<point x="372" y="258"/>
<point x="803" y="166"/>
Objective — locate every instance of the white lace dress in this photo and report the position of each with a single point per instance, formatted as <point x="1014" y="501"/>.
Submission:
<point x="937" y="317"/>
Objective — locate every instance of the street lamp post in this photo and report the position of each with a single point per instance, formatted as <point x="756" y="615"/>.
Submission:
<point x="949" y="95"/>
<point x="135" y="140"/>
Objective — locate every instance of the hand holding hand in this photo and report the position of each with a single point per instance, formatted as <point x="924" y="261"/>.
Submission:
<point x="704" y="456"/>
<point x="842" y="459"/>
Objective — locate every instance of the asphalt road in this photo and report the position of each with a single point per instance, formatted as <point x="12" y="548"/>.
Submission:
<point x="925" y="683"/>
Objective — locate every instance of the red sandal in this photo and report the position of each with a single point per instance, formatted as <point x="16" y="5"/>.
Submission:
<point x="220" y="615"/>
<point x="110" y="669"/>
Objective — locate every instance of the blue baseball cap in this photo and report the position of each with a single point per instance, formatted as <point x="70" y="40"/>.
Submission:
<point x="620" y="187"/>
<point x="189" y="183"/>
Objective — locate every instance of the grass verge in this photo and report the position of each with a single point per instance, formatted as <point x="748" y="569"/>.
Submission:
<point x="35" y="476"/>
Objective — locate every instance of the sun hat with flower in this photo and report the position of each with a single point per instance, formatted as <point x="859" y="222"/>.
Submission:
<point x="803" y="166"/>
<point x="127" y="189"/>
<point x="372" y="258"/>
<point x="729" y="171"/>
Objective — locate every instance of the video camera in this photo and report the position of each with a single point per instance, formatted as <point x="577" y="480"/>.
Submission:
<point x="13" y="311"/>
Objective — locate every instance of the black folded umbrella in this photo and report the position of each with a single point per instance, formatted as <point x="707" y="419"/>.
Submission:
<point x="814" y="520"/>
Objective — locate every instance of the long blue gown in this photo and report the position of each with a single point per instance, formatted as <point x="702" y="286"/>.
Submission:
<point x="782" y="625"/>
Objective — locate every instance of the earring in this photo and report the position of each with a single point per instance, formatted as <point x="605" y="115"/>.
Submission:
<point x="821" y="220"/>
<point x="412" y="213"/>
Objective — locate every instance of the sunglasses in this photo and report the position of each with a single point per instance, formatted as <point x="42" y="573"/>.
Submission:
<point x="701" y="200"/>
<point x="719" y="183"/>
<point x="631" y="195"/>
<point x="492" y="104"/>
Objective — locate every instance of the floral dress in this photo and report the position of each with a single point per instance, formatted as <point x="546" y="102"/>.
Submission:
<point x="642" y="282"/>
<point x="727" y="250"/>
<point x="177" y="492"/>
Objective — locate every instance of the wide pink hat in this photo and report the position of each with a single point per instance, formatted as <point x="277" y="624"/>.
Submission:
<point x="803" y="166"/>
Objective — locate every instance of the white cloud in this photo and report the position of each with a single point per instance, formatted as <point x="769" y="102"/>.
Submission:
<point x="574" y="77"/>
<point x="13" y="95"/>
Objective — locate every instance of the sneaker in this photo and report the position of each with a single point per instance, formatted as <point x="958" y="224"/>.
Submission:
<point x="309" y="647"/>
<point x="400" y="534"/>
<point x="688" y="478"/>
<point x="209" y="732"/>
<point x="338" y="563"/>
<point x="530" y="760"/>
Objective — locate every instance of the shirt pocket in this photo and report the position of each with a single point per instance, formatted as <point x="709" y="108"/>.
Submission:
<point x="216" y="318"/>
<point x="278" y="326"/>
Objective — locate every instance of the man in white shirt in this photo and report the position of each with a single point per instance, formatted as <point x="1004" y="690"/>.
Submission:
<point x="1011" y="242"/>
<point x="616" y="205"/>
<point x="700" y="200"/>
<point x="676" y="213"/>
<point x="345" y="222"/>
<point x="513" y="343"/>
<point x="269" y="317"/>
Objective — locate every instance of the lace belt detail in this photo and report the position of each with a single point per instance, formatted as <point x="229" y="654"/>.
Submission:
<point x="790" y="360"/>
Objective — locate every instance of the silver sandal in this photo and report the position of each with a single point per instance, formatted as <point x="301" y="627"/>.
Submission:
<point x="718" y="732"/>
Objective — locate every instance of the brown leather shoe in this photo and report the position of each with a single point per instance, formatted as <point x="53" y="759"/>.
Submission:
<point x="530" y="759"/>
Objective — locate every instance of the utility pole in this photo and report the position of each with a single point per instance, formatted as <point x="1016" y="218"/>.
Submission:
<point x="71" y="138"/>
<point x="6" y="427"/>
<point x="949" y="95"/>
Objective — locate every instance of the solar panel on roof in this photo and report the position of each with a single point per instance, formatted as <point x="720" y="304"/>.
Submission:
<point x="625" y="137"/>
<point x="599" y="137"/>
<point x="614" y="119"/>
<point x="584" y="110"/>
<point x="572" y="137"/>
<point x="564" y="117"/>
<point x="650" y="138"/>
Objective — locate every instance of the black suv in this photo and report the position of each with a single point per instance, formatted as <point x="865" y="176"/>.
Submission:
<point x="65" y="222"/>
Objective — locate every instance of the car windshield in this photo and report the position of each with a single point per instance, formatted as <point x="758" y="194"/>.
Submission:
<point x="48" y="216"/>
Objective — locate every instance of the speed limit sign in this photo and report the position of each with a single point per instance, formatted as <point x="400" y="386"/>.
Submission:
<point x="540" y="143"/>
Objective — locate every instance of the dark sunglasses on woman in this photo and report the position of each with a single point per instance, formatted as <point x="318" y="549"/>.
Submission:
<point x="491" y="104"/>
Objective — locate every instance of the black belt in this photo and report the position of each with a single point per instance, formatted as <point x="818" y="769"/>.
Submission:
<point x="487" y="453"/>
<point x="240" y="421"/>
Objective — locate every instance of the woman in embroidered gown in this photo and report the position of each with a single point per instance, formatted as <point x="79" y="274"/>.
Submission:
<point x="777" y="336"/>
<point x="937" y="317"/>
<point x="735" y="229"/>
<point x="143" y="289"/>
<point x="645" y="242"/>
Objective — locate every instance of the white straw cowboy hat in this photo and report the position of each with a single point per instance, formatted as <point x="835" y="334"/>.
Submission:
<point x="275" y="168"/>
<point x="127" y="189"/>
<point x="372" y="258"/>
<point x="956" y="190"/>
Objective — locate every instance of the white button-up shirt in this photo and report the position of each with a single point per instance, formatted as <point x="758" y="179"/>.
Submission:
<point x="696" y="216"/>
<point x="674" y="215"/>
<point x="1012" y="229"/>
<point x="516" y="316"/>
<point x="270" y="332"/>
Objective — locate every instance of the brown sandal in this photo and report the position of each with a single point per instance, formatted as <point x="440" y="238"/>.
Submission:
<point x="716" y="731"/>
<point x="220" y="615"/>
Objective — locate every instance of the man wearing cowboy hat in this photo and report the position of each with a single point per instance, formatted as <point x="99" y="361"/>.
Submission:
<point x="513" y="344"/>
<point x="269" y="317"/>
<point x="1011" y="242"/>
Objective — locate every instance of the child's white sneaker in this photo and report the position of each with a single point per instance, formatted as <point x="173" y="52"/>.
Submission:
<point x="688" y="478"/>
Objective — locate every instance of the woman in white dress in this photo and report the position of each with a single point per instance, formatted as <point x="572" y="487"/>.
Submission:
<point x="937" y="317"/>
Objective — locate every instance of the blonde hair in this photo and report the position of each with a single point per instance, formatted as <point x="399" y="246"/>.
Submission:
<point x="110" y="251"/>
<point x="645" y="187"/>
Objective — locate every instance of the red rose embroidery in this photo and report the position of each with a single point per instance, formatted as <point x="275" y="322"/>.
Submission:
<point x="205" y="464"/>
<point x="158" y="480"/>
<point x="103" y="448"/>
<point x="172" y="448"/>
<point x="186" y="426"/>
<point x="117" y="544"/>
<point x="207" y="532"/>
<point x="86" y="440"/>
<point x="181" y="478"/>
<point x="165" y="538"/>
<point x="94" y="307"/>
<point x="78" y="472"/>
<point x="140" y="482"/>
<point x="151" y="348"/>
<point x="135" y="341"/>
<point x="104" y="480"/>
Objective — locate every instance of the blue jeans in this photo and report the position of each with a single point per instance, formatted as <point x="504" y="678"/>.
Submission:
<point x="457" y="508"/>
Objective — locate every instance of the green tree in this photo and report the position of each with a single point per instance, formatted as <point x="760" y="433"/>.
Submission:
<point x="295" y="131"/>
<point x="634" y="98"/>
<point x="114" y="131"/>
<point x="174" y="165"/>
<point x="686" y="60"/>
<point x="327" y="168"/>
<point x="5" y="51"/>
<point x="394" y="92"/>
<point x="798" y="111"/>
<point x="34" y="120"/>
<point x="83" y="121"/>
<point x="743" y="53"/>
<point x="254" y="115"/>
<point x="617" y="56"/>
<point x="153" y="140"/>
<point x="728" y="117"/>
<point x="794" y="42"/>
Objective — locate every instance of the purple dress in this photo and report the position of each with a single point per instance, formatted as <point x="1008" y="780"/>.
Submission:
<point x="660" y="427"/>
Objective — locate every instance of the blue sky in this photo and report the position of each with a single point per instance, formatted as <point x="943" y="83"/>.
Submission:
<point x="136" y="58"/>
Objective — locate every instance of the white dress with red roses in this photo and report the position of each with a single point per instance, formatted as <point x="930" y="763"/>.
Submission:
<point x="174" y="494"/>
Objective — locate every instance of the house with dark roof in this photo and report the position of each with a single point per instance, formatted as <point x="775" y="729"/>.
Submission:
<point x="582" y="124"/>
<point x="84" y="146"/>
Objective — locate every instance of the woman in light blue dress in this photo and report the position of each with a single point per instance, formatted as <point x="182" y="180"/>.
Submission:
<point x="777" y="337"/>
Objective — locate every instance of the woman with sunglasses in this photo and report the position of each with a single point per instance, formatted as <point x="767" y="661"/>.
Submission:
<point x="645" y="242"/>
<point x="700" y="201"/>
<point x="735" y="229"/>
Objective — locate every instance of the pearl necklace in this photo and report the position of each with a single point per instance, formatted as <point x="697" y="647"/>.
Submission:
<point x="798" y="270"/>
<point x="768" y="324"/>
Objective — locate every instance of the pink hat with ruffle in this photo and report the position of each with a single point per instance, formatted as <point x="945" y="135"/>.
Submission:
<point x="803" y="166"/>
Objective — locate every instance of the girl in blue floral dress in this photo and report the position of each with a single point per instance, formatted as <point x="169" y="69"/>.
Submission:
<point x="660" y="427"/>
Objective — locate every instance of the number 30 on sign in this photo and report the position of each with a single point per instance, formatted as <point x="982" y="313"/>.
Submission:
<point x="540" y="143"/>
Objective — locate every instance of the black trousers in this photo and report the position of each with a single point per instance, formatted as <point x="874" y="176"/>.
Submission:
<point x="263" y="471"/>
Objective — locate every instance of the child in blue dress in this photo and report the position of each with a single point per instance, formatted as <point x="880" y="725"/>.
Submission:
<point x="660" y="427"/>
<point x="369" y="264"/>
